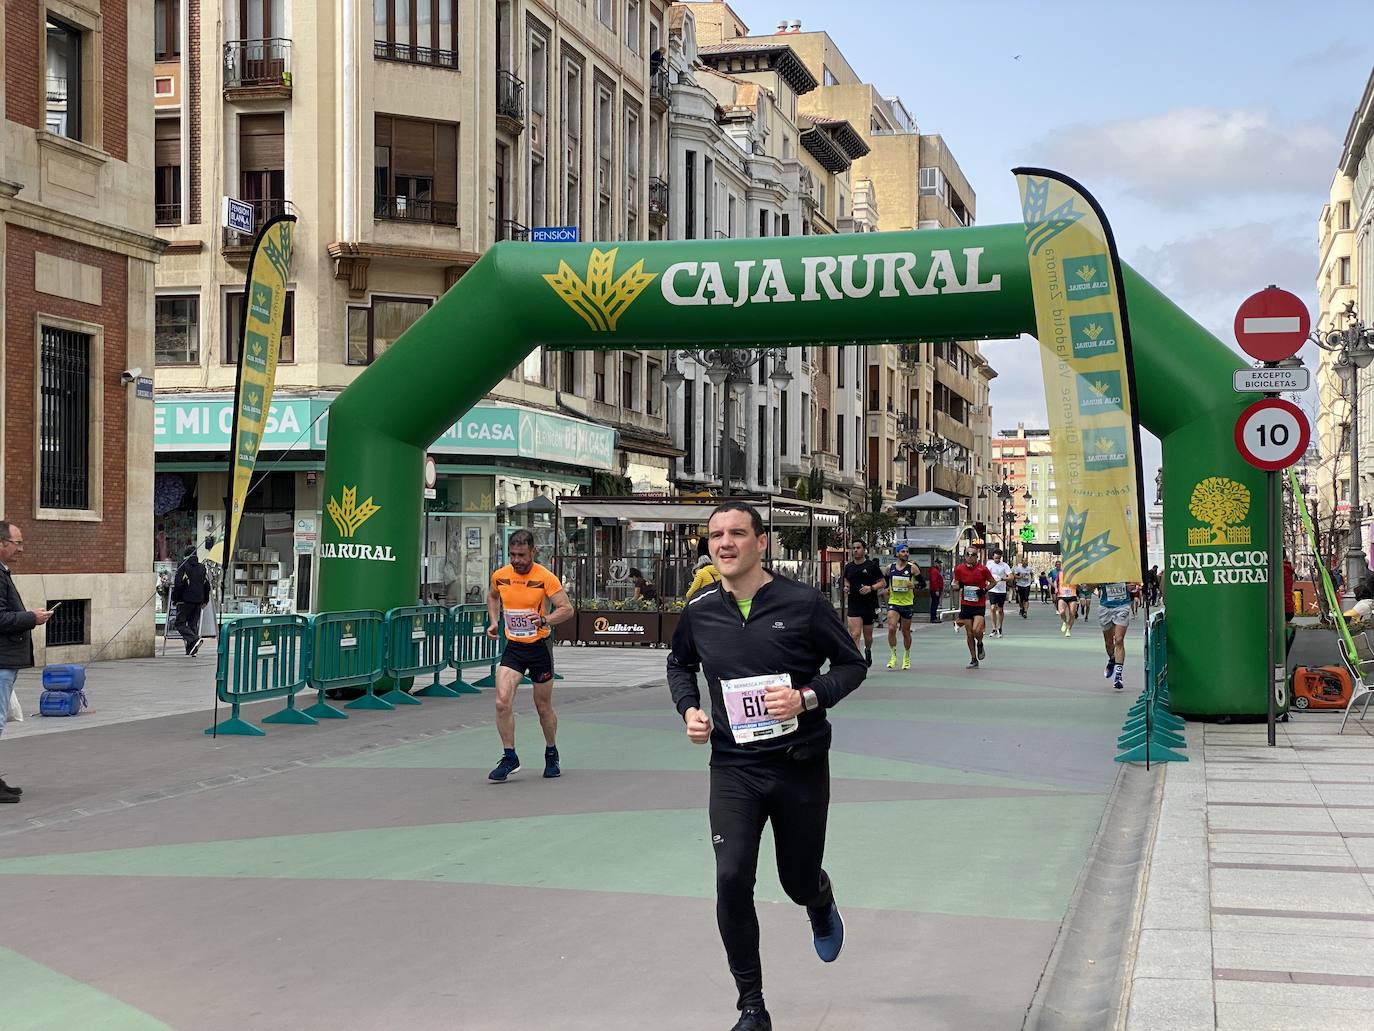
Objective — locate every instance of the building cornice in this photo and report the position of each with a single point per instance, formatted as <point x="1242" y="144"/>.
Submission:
<point x="101" y="235"/>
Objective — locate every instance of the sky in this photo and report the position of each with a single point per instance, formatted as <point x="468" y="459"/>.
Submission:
<point x="1208" y="131"/>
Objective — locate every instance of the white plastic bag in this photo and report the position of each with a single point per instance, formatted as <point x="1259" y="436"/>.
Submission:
<point x="16" y="711"/>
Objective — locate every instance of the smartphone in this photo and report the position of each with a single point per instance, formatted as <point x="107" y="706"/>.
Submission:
<point x="55" y="606"/>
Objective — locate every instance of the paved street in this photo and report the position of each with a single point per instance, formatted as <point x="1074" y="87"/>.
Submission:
<point x="365" y="874"/>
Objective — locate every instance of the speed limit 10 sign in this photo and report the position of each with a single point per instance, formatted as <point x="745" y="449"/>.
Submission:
<point x="1272" y="434"/>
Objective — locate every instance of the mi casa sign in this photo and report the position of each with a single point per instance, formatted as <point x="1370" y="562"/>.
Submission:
<point x="827" y="277"/>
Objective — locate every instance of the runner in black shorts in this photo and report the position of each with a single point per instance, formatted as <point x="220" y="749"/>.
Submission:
<point x="863" y="583"/>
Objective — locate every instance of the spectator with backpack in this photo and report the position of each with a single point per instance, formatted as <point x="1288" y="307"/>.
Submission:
<point x="16" y="631"/>
<point x="190" y="592"/>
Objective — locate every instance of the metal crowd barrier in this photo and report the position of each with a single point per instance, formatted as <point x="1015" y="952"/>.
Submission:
<point x="349" y="650"/>
<point x="471" y="647"/>
<point x="417" y="645"/>
<point x="1151" y="732"/>
<point x="262" y="657"/>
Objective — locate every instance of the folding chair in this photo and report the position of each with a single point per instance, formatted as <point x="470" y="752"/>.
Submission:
<point x="1357" y="652"/>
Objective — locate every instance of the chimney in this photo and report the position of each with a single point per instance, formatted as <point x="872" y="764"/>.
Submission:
<point x="782" y="26"/>
<point x="796" y="26"/>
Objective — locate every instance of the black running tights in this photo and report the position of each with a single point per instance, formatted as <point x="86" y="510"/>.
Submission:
<point x="795" y="796"/>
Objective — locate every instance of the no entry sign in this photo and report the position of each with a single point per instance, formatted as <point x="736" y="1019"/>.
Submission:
<point x="1272" y="434"/>
<point x="1272" y="325"/>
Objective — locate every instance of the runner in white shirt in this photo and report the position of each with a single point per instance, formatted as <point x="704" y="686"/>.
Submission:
<point x="1024" y="576"/>
<point x="997" y="593"/>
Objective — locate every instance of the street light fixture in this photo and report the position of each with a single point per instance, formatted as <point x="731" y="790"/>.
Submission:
<point x="1354" y="350"/>
<point x="1006" y="491"/>
<point x="725" y="368"/>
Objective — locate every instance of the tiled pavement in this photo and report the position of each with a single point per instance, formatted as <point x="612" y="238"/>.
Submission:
<point x="1259" y="906"/>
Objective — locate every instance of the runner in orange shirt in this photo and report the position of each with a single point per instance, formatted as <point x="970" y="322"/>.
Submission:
<point x="519" y="597"/>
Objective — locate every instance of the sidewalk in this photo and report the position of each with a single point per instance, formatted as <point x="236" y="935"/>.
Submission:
<point x="1259" y="906"/>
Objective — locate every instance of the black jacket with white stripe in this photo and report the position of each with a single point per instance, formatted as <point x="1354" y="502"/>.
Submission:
<point x="791" y="629"/>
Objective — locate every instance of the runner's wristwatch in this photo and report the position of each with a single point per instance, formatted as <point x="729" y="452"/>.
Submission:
<point x="809" y="699"/>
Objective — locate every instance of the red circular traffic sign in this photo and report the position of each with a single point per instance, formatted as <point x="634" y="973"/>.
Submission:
<point x="1272" y="434"/>
<point x="1272" y="325"/>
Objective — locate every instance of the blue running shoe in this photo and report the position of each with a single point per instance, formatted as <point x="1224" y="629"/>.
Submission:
<point x="510" y="763"/>
<point x="1107" y="673"/>
<point x="551" y="762"/>
<point x="827" y="931"/>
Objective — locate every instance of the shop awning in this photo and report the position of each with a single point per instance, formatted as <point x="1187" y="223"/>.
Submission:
<point x="930" y="500"/>
<point x="940" y="538"/>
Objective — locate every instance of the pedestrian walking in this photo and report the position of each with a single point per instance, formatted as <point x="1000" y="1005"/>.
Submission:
<point x="937" y="588"/>
<point x="190" y="593"/>
<point x="16" y="631"/>
<point x="761" y="642"/>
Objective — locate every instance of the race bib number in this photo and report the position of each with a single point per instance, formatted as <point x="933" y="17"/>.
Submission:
<point x="901" y="584"/>
<point x="971" y="593"/>
<point x="1114" y="594"/>
<point x="521" y="625"/>
<point x="747" y="710"/>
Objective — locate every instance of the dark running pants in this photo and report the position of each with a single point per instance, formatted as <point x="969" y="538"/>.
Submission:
<point x="795" y="796"/>
<point x="187" y="622"/>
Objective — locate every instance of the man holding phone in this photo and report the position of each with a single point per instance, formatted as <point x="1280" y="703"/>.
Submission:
<point x="16" y="631"/>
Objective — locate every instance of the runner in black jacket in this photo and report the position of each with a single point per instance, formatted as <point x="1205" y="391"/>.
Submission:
<point x="761" y="641"/>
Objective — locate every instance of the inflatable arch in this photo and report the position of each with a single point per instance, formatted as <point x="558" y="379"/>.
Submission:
<point x="953" y="284"/>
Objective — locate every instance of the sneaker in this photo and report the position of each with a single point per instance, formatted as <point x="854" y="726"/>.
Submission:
<point x="510" y="763"/>
<point x="972" y="664"/>
<point x="550" y="763"/>
<point x="827" y="932"/>
<point x="196" y="647"/>
<point x="982" y="652"/>
<point x="1107" y="673"/>
<point x="753" y="1020"/>
<point x="1064" y="629"/>
<point x="9" y="789"/>
<point x="906" y="662"/>
<point x="5" y="796"/>
<point x="1068" y="632"/>
<point x="1118" y="684"/>
<point x="892" y="662"/>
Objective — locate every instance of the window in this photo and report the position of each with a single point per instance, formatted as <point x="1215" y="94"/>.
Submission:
<point x="373" y="329"/>
<point x="599" y="376"/>
<point x="806" y="422"/>
<point x="166" y="30"/>
<point x="605" y="157"/>
<point x="825" y="430"/>
<point x="416" y="171"/>
<point x="839" y="366"/>
<point x="538" y="127"/>
<point x="629" y="382"/>
<point x="1343" y="214"/>
<point x="64" y="111"/>
<point x="425" y="33"/>
<point x="829" y="77"/>
<point x="631" y="171"/>
<point x="68" y="623"/>
<point x="932" y="182"/>
<point x="233" y="328"/>
<point x="689" y="416"/>
<point x="782" y="419"/>
<point x="632" y="25"/>
<point x="167" y="171"/>
<point x="689" y="196"/>
<point x="654" y="372"/>
<point x="567" y="372"/>
<point x="764" y="449"/>
<point x="708" y="191"/>
<point x="605" y="11"/>
<point x="839" y="438"/>
<point x="65" y="419"/>
<point x="763" y="223"/>
<point x="1343" y="267"/>
<point x="786" y="225"/>
<point x="730" y="216"/>
<point x="177" y="333"/>
<point x="262" y="163"/>
<point x="572" y="142"/>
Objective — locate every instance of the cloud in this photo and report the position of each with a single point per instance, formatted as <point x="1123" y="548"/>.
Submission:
<point x="1340" y="51"/>
<point x="1188" y="155"/>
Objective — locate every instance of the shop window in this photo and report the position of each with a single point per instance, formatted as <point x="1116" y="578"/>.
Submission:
<point x="372" y="329"/>
<point x="233" y="328"/>
<point x="177" y="333"/>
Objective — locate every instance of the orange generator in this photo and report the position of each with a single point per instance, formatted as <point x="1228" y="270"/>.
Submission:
<point x="1321" y="687"/>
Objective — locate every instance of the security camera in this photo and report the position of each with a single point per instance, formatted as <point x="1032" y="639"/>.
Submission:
<point x="129" y="375"/>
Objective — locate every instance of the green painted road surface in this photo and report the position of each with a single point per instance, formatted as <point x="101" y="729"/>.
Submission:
<point x="365" y="875"/>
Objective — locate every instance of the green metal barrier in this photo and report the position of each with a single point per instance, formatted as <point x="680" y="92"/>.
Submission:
<point x="348" y="649"/>
<point x="1151" y="731"/>
<point x="469" y="646"/>
<point x="262" y="657"/>
<point x="418" y="644"/>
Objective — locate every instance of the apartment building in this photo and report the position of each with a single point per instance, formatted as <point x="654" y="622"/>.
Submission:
<point x="406" y="140"/>
<point x="915" y="393"/>
<point x="76" y="329"/>
<point x="746" y="165"/>
<point x="1025" y="454"/>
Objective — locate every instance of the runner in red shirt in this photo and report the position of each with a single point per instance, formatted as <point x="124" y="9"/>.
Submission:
<point x="971" y="581"/>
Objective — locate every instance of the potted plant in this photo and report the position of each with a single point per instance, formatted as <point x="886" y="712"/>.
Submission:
<point x="669" y="617"/>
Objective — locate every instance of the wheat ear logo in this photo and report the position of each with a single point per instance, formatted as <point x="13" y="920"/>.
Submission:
<point x="1221" y="504"/>
<point x="351" y="515"/>
<point x="1092" y="331"/>
<point x="1086" y="273"/>
<point x="597" y="299"/>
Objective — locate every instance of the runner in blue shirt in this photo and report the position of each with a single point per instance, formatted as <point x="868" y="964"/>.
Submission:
<point x="1114" y="615"/>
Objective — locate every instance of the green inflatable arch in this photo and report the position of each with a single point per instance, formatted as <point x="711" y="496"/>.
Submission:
<point x="955" y="284"/>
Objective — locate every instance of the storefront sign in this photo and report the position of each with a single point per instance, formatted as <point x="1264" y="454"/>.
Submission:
<point x="618" y="628"/>
<point x="203" y="424"/>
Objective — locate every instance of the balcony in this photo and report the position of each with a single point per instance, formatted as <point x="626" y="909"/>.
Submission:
<point x="407" y="54"/>
<point x="659" y="89"/>
<point x="658" y="200"/>
<point x="510" y="102"/>
<point x="257" y="68"/>
<point x="509" y="229"/>
<point x="238" y="245"/>
<point x="167" y="214"/>
<point x="412" y="209"/>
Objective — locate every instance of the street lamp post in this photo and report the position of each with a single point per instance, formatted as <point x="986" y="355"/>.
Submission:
<point x="725" y="368"/>
<point x="1354" y="350"/>
<point x="1006" y="491"/>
